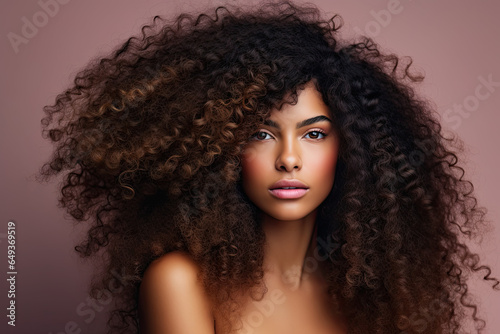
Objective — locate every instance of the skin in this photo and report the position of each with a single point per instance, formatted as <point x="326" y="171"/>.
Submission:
<point x="172" y="299"/>
<point x="279" y="151"/>
<point x="285" y="148"/>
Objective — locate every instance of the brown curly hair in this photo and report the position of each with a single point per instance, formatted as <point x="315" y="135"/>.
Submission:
<point x="149" y="140"/>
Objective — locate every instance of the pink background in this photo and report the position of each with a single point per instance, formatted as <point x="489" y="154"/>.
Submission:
<point x="452" y="42"/>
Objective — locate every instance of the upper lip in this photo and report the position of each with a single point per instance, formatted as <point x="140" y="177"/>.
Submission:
<point x="288" y="183"/>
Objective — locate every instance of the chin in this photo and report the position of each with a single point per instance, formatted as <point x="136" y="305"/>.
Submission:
<point x="287" y="216"/>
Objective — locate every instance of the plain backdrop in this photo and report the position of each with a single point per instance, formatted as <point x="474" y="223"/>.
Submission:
<point x="454" y="43"/>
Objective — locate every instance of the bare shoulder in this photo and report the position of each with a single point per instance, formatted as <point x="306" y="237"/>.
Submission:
<point x="172" y="299"/>
<point x="175" y="267"/>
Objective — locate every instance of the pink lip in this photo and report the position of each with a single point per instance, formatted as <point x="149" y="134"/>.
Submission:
<point x="288" y="183"/>
<point x="277" y="191"/>
<point x="288" y="193"/>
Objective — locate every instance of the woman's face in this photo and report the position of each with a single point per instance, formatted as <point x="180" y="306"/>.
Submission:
<point x="296" y="144"/>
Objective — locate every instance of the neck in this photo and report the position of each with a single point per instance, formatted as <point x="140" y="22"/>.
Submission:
<point x="288" y="244"/>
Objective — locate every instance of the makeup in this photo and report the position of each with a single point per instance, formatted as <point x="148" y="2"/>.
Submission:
<point x="288" y="167"/>
<point x="288" y="193"/>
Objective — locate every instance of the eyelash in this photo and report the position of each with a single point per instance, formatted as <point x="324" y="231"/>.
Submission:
<point x="323" y="133"/>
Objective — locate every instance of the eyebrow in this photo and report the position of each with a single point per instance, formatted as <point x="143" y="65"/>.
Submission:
<point x="305" y="122"/>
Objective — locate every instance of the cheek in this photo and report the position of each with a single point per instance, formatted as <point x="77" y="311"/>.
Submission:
<point x="255" y="159"/>
<point x="251" y="170"/>
<point x="326" y="165"/>
<point x="323" y="164"/>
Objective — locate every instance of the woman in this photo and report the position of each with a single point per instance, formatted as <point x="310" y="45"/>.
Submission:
<point x="251" y="173"/>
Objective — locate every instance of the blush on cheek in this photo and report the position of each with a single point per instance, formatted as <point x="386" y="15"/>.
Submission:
<point x="249" y="154"/>
<point x="324" y="168"/>
<point x="328" y="163"/>
<point x="252" y="174"/>
<point x="249" y="166"/>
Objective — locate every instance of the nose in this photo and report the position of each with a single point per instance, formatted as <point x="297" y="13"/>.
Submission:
<point x="289" y="156"/>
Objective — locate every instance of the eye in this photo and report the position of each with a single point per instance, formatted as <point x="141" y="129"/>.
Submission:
<point x="316" y="134"/>
<point x="261" y="135"/>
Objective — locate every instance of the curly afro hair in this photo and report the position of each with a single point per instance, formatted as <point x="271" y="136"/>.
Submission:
<point x="149" y="141"/>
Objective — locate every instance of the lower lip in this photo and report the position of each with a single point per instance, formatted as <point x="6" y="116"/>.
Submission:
<point x="288" y="193"/>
